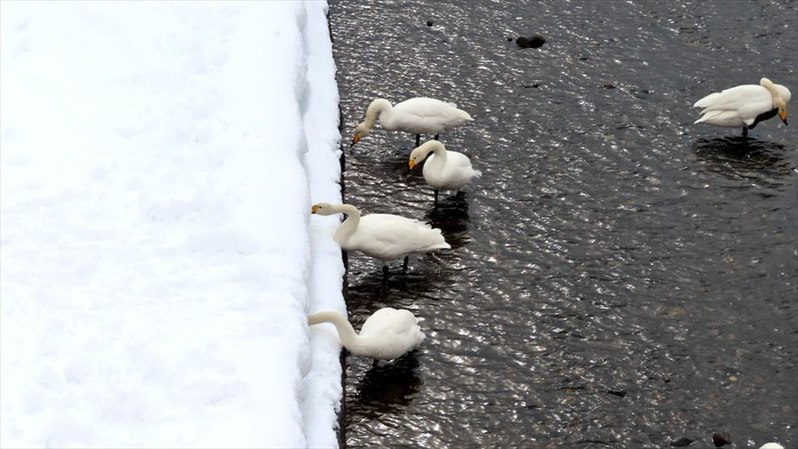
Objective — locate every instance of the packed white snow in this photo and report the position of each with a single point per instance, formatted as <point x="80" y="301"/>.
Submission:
<point x="157" y="258"/>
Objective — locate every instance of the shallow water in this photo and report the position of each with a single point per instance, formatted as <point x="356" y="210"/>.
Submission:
<point x="619" y="276"/>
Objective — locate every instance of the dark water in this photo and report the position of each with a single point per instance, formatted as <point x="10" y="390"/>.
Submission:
<point x="619" y="276"/>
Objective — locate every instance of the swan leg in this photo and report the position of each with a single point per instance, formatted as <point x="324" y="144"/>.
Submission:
<point x="436" y="136"/>
<point x="404" y="265"/>
<point x="436" y="197"/>
<point x="745" y="131"/>
<point x="385" y="271"/>
<point x="418" y="140"/>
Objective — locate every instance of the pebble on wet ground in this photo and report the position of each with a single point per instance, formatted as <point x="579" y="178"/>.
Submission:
<point x="681" y="442"/>
<point x="534" y="41"/>
<point x="721" y="439"/>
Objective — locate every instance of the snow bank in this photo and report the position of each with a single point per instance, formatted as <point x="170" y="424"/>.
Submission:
<point x="157" y="260"/>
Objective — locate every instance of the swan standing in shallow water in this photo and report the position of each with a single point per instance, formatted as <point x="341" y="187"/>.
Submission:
<point x="745" y="105"/>
<point x="417" y="115"/>
<point x="387" y="334"/>
<point x="445" y="170"/>
<point x="384" y="236"/>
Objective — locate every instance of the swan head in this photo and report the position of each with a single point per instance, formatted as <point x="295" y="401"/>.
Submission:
<point x="419" y="154"/>
<point x="781" y="105"/>
<point x="360" y="131"/>
<point x="322" y="209"/>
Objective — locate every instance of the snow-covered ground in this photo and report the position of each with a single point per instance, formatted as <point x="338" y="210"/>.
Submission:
<point x="157" y="257"/>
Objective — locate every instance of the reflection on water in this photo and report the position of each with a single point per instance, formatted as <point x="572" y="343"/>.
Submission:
<point x="618" y="277"/>
<point x="743" y="157"/>
<point x="386" y="388"/>
<point x="450" y="215"/>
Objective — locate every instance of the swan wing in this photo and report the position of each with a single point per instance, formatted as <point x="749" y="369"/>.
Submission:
<point x="389" y="236"/>
<point x="738" y="98"/>
<point x="428" y="115"/>
<point x="395" y="331"/>
<point x="455" y="173"/>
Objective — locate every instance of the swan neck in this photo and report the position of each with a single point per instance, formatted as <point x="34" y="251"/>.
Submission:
<point x="349" y="338"/>
<point x="378" y="109"/>
<point x="436" y="148"/>
<point x="767" y="84"/>
<point x="348" y="227"/>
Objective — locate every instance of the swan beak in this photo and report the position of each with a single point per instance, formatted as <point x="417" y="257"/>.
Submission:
<point x="314" y="209"/>
<point x="411" y="163"/>
<point x="783" y="116"/>
<point x="355" y="139"/>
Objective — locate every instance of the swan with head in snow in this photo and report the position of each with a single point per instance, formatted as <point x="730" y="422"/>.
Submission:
<point x="417" y="115"/>
<point x="444" y="169"/>
<point x="745" y="106"/>
<point x="387" y="334"/>
<point x="384" y="236"/>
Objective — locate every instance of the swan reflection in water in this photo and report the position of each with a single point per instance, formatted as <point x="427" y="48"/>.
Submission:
<point x="450" y="215"/>
<point x="741" y="157"/>
<point x="386" y="389"/>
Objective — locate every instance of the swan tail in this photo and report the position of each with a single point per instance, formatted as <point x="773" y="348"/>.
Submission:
<point x="704" y="102"/>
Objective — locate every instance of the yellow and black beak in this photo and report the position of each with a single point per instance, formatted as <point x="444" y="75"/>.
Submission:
<point x="783" y="116"/>
<point x="411" y="163"/>
<point x="314" y="209"/>
<point x="355" y="139"/>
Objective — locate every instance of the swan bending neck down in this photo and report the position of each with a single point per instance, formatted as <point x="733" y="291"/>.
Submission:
<point x="745" y="106"/>
<point x="384" y="236"/>
<point x="444" y="169"/>
<point x="417" y="115"/>
<point x="387" y="334"/>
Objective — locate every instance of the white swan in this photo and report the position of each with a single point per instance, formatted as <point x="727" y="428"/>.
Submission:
<point x="445" y="170"/>
<point x="745" y="105"/>
<point x="384" y="236"/>
<point x="387" y="334"/>
<point x="417" y="115"/>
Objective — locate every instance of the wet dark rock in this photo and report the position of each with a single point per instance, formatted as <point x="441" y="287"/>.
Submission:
<point x="533" y="41"/>
<point x="535" y="85"/>
<point x="619" y="393"/>
<point x="681" y="442"/>
<point x="430" y="23"/>
<point x="721" y="439"/>
<point x="509" y="39"/>
<point x="609" y="86"/>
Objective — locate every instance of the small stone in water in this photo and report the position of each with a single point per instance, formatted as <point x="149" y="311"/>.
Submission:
<point x="430" y="23"/>
<point x="721" y="439"/>
<point x="681" y="442"/>
<point x="619" y="393"/>
<point x="533" y="41"/>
